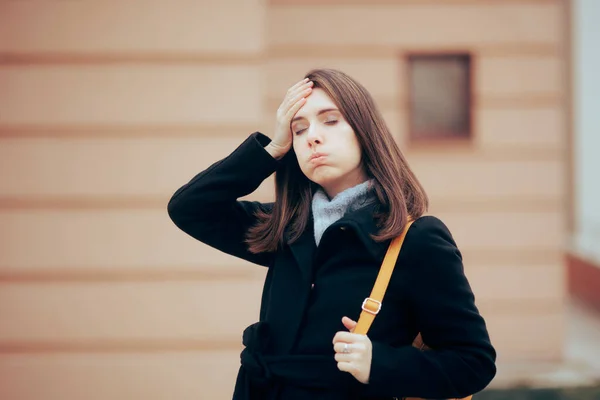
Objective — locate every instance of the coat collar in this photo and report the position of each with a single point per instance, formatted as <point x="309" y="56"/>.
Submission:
<point x="364" y="224"/>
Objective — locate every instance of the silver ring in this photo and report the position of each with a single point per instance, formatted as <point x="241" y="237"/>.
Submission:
<point x="346" y="349"/>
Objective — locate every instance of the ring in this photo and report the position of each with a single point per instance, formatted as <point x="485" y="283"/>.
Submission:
<point x="346" y="349"/>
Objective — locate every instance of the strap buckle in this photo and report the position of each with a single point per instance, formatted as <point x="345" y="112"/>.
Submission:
<point x="370" y="310"/>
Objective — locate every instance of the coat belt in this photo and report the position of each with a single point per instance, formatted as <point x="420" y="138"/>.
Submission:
<point x="260" y="371"/>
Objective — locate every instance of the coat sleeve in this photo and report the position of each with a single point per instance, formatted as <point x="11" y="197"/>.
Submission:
<point x="463" y="360"/>
<point x="207" y="208"/>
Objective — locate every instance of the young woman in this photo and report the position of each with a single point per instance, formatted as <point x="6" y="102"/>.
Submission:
<point x="343" y="191"/>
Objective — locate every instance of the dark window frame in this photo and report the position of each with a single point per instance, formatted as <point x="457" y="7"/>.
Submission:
<point x="439" y="136"/>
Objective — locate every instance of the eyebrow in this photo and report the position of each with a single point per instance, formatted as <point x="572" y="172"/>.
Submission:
<point x="323" y="111"/>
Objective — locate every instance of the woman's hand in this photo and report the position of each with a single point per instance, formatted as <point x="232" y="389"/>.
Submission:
<point x="295" y="98"/>
<point x="353" y="352"/>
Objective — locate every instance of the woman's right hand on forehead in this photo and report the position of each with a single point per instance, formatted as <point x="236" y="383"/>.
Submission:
<point x="294" y="99"/>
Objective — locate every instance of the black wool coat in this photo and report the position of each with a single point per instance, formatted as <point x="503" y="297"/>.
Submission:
<point x="308" y="289"/>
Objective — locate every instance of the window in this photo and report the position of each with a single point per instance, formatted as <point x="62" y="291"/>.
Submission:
<point x="439" y="96"/>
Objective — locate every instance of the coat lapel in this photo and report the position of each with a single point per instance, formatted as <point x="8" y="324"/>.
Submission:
<point x="364" y="223"/>
<point x="304" y="250"/>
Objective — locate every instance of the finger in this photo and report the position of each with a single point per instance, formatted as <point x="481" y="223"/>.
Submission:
<point x="358" y="349"/>
<point x="347" y="367"/>
<point x="347" y="337"/>
<point x="340" y="347"/>
<point x="294" y="91"/>
<point x="303" y="85"/>
<point x="293" y="98"/>
<point x="292" y="111"/>
<point x="348" y="323"/>
<point x="341" y="357"/>
<point x="298" y="84"/>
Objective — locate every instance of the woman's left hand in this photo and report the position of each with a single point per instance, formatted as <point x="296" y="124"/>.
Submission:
<point x="353" y="352"/>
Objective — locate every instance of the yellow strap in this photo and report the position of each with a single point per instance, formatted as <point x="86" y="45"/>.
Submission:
<point x="372" y="304"/>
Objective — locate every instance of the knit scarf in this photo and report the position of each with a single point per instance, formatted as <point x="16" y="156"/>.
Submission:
<point x="326" y="212"/>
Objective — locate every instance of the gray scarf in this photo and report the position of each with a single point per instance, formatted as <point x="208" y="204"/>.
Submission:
<point x="326" y="212"/>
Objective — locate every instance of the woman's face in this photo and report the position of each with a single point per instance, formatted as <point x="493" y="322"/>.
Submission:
<point x="326" y="146"/>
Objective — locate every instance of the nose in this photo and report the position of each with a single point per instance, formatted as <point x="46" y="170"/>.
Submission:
<point x="314" y="137"/>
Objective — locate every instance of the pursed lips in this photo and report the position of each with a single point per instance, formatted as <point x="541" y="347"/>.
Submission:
<point x="316" y="157"/>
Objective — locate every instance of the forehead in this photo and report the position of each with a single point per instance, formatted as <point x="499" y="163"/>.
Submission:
<point x="315" y="102"/>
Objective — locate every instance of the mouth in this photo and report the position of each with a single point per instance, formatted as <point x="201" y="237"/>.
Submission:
<point x="317" y="157"/>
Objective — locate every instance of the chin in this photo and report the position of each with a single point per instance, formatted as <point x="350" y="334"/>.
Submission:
<point x="323" y="181"/>
<point x="324" y="175"/>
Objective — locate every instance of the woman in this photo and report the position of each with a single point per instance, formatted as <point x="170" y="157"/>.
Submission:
<point x="343" y="191"/>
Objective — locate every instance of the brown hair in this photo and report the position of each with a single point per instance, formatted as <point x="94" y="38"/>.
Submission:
<point x="399" y="192"/>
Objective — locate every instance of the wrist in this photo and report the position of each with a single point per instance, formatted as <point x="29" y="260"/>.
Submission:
<point x="275" y="151"/>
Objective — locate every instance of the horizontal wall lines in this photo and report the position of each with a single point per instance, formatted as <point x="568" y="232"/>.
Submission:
<point x="112" y="131"/>
<point x="80" y="202"/>
<point x="271" y="53"/>
<point x="518" y="204"/>
<point x="102" y="203"/>
<point x="451" y="150"/>
<point x="530" y="256"/>
<point x="120" y="346"/>
<point x="387" y="103"/>
<point x="312" y="3"/>
<point x="234" y="273"/>
<point x="514" y="306"/>
<point x="538" y="100"/>
<point x="501" y="101"/>
<point x="491" y="309"/>
<point x="462" y="146"/>
<point x="134" y="57"/>
<point x="212" y="131"/>
<point x="391" y="51"/>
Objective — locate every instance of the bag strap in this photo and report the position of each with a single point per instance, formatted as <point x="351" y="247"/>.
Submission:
<point x="373" y="303"/>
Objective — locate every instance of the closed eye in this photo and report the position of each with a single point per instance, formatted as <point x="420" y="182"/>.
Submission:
<point x="299" y="131"/>
<point x="331" y="122"/>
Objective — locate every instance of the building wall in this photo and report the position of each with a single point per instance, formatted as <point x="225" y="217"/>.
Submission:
<point x="107" y="107"/>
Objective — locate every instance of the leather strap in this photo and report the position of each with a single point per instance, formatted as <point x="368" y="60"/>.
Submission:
<point x="373" y="303"/>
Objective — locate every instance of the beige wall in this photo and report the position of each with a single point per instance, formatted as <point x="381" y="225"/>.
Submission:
<point x="107" y="107"/>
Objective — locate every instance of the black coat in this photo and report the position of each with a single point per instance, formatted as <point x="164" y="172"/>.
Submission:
<point x="289" y="353"/>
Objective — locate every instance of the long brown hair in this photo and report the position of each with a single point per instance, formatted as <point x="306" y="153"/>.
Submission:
<point x="399" y="192"/>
